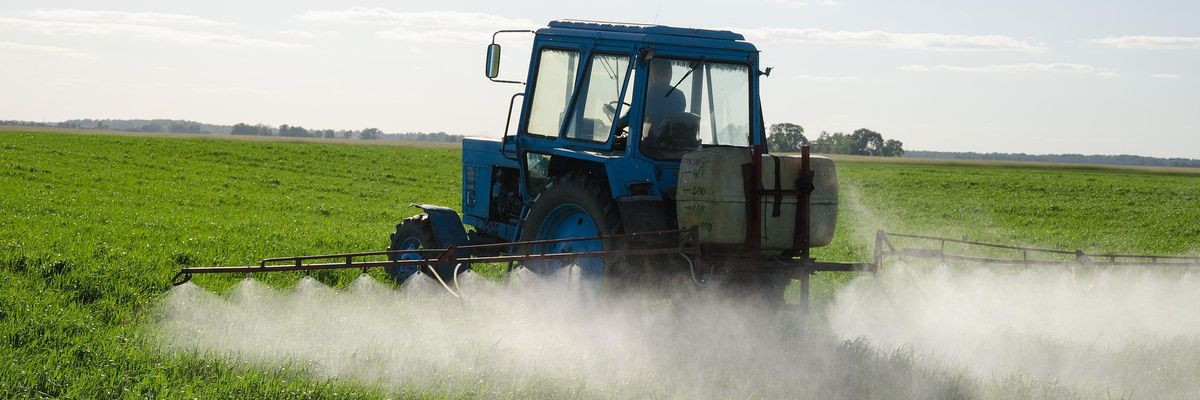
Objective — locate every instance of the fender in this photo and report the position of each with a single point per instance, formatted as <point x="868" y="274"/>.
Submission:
<point x="447" y="226"/>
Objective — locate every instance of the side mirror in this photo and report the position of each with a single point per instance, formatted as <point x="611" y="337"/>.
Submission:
<point x="493" y="61"/>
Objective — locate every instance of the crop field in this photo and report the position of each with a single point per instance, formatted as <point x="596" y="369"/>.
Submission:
<point x="92" y="227"/>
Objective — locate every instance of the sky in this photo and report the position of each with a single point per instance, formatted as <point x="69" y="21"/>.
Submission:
<point x="1010" y="76"/>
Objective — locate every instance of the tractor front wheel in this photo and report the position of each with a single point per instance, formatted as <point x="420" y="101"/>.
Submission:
<point x="416" y="233"/>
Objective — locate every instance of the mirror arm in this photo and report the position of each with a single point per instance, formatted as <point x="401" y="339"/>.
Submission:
<point x="494" y="42"/>
<point x="509" y="31"/>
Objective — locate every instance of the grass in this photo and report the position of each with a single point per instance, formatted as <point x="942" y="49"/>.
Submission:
<point x="93" y="226"/>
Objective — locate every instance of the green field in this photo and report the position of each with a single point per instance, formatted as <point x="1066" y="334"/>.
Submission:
<point x="92" y="228"/>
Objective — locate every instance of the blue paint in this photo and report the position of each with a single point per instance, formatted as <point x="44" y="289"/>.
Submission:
<point x="403" y="272"/>
<point x="569" y="221"/>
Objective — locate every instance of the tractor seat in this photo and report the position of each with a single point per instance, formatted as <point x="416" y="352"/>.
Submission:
<point x="672" y="135"/>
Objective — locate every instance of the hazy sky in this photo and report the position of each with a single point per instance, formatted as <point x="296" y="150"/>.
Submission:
<point x="1007" y="76"/>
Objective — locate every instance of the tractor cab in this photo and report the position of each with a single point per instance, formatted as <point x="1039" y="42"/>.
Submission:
<point x="619" y="104"/>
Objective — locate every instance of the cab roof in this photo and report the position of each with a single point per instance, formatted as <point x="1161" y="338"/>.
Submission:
<point x="649" y="34"/>
<point x="646" y="29"/>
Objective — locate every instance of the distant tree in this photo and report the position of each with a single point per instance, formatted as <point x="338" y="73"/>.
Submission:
<point x="865" y="142"/>
<point x="244" y="129"/>
<point x="328" y="134"/>
<point x="785" y="137"/>
<point x="823" y="144"/>
<point x="893" y="148"/>
<point x="293" y="131"/>
<point x="184" y="127"/>
<point x="370" y="134"/>
<point x="833" y="143"/>
<point x="347" y="134"/>
<point x="263" y="130"/>
<point x="151" y="128"/>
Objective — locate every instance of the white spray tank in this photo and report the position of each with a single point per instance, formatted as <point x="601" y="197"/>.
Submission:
<point x="711" y="196"/>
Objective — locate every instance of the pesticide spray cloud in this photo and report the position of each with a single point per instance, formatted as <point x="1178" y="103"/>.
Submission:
<point x="535" y="337"/>
<point x="911" y="332"/>
<point x="1099" y="332"/>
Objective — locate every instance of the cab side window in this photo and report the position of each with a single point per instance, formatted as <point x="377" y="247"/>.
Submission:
<point x="553" y="88"/>
<point x="593" y="117"/>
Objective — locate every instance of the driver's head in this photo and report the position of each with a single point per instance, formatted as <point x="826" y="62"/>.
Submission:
<point x="660" y="71"/>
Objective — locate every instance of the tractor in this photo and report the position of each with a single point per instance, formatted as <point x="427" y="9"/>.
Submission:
<point x="629" y="129"/>
<point x="639" y="153"/>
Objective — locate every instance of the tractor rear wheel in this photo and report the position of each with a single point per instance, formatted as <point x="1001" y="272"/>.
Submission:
<point x="416" y="233"/>
<point x="571" y="206"/>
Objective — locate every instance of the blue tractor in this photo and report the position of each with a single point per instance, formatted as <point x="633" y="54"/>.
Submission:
<point x="639" y="152"/>
<point x="621" y="127"/>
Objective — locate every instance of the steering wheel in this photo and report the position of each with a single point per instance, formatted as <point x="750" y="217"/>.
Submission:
<point x="610" y="109"/>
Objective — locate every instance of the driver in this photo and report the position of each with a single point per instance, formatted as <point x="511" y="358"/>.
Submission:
<point x="661" y="98"/>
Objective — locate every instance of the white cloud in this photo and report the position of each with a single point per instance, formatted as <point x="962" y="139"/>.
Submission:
<point x="71" y="82"/>
<point x="235" y="91"/>
<point x="10" y="47"/>
<point x="1017" y="68"/>
<point x="916" y="68"/>
<point x="440" y="35"/>
<point x="1165" y="76"/>
<point x="804" y="3"/>
<point x="439" y="26"/>
<point x="153" y="26"/>
<point x="120" y="17"/>
<point x="297" y="34"/>
<point x="920" y="41"/>
<point x="1152" y="42"/>
<point x="359" y="14"/>
<point x="824" y="78"/>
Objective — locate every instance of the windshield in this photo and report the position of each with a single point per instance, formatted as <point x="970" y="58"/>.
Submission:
<point x="690" y="103"/>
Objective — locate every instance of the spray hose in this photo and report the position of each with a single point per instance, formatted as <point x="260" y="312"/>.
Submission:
<point x="433" y="271"/>
<point x="692" y="269"/>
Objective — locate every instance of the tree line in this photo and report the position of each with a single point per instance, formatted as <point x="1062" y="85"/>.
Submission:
<point x="193" y="127"/>
<point x="300" y="131"/>
<point x="1120" y="159"/>
<point x="128" y="125"/>
<point x="364" y="134"/>
<point x="789" y="137"/>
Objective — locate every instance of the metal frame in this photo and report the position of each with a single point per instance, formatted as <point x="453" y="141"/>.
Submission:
<point x="479" y="253"/>
<point x="882" y="240"/>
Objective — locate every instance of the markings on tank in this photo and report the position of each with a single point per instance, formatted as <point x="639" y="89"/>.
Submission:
<point x="698" y="166"/>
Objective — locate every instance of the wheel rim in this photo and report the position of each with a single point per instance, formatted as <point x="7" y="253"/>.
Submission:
<point x="569" y="221"/>
<point x="402" y="272"/>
